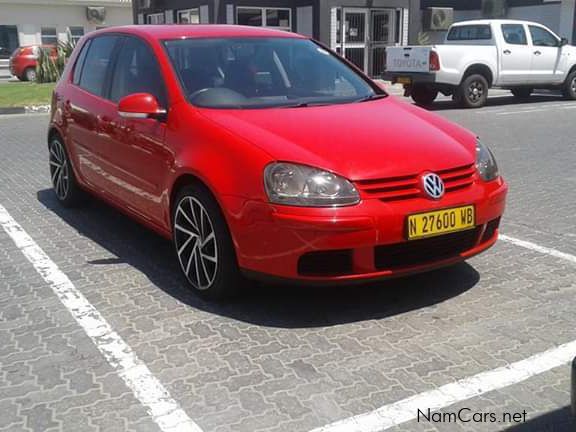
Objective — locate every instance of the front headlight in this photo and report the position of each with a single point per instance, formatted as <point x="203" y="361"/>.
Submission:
<point x="301" y="185"/>
<point x="485" y="163"/>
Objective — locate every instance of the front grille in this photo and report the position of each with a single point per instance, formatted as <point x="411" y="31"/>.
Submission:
<point x="407" y="187"/>
<point x="424" y="251"/>
<point x="326" y="263"/>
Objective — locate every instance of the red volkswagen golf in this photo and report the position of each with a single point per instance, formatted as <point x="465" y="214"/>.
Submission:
<point x="261" y="153"/>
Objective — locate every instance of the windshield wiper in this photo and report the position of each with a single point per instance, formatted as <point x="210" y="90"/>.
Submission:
<point x="371" y="97"/>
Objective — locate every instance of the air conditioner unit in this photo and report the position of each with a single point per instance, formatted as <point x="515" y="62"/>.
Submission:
<point x="494" y="8"/>
<point x="437" y="18"/>
<point x="96" y="15"/>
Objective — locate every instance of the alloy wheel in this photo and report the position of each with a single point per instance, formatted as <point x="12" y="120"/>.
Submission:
<point x="195" y="242"/>
<point x="573" y="85"/>
<point x="59" y="170"/>
<point x="475" y="91"/>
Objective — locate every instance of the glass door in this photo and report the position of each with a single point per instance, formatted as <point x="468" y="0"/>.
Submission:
<point x="382" y="35"/>
<point x="355" y="38"/>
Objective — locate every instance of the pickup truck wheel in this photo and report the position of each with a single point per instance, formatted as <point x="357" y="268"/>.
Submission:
<point x="522" y="92"/>
<point x="569" y="87"/>
<point x="424" y="95"/>
<point x="472" y="92"/>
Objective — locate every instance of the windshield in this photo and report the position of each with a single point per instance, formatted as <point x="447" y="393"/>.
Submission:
<point x="263" y="73"/>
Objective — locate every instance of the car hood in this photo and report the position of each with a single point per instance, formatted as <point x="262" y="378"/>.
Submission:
<point x="375" y="139"/>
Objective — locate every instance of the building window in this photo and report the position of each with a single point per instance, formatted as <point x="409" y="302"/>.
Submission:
<point x="278" y="18"/>
<point x="76" y="33"/>
<point x="49" y="36"/>
<point x="188" y="16"/>
<point x="157" y="18"/>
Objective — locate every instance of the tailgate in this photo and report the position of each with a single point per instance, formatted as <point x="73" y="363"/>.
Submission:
<point x="408" y="59"/>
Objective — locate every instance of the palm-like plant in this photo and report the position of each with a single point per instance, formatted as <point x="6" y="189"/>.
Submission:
<point x="49" y="68"/>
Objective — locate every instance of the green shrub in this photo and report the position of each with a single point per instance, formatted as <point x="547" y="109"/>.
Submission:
<point x="49" y="68"/>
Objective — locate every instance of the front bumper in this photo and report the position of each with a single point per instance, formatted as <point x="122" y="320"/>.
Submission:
<point x="272" y="240"/>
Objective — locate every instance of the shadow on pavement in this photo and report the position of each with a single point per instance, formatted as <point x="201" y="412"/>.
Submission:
<point x="553" y="421"/>
<point x="261" y="304"/>
<point x="496" y="101"/>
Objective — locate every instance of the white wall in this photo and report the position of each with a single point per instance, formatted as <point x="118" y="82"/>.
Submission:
<point x="30" y="19"/>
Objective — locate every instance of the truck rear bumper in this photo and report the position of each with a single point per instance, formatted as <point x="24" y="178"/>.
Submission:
<point x="408" y="78"/>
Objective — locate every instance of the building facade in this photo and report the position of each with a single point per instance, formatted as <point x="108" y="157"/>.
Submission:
<point x="31" y="22"/>
<point x="358" y="29"/>
<point x="558" y="15"/>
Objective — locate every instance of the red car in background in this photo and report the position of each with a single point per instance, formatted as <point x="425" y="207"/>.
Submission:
<point x="23" y="61"/>
<point x="262" y="153"/>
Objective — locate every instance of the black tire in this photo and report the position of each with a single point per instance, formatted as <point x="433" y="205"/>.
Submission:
<point x="29" y="74"/>
<point x="472" y="92"/>
<point x="522" y="92"/>
<point x="210" y="266"/>
<point x="424" y="95"/>
<point x="569" y="86"/>
<point x="64" y="182"/>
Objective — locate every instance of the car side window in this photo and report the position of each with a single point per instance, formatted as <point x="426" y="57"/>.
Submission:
<point x="96" y="65"/>
<point x="137" y="71"/>
<point x="514" y="34"/>
<point x="80" y="63"/>
<point x="542" y="37"/>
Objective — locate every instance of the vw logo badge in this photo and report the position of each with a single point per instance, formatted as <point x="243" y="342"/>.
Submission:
<point x="433" y="185"/>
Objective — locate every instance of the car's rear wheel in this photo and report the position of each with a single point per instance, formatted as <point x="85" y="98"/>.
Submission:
<point x="29" y="74"/>
<point x="423" y="95"/>
<point x="569" y="87"/>
<point x="204" y="246"/>
<point x="522" y="92"/>
<point x="473" y="91"/>
<point x="64" y="181"/>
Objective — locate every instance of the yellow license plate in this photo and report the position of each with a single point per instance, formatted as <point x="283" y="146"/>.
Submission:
<point x="404" y="80"/>
<point x="440" y="222"/>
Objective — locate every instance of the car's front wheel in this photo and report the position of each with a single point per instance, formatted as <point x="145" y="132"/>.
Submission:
<point x="204" y="246"/>
<point x="64" y="181"/>
<point x="569" y="87"/>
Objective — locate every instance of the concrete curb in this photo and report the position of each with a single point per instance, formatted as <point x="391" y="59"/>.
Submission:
<point x="33" y="109"/>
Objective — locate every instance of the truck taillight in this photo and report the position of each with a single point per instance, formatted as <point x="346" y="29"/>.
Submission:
<point x="434" y="61"/>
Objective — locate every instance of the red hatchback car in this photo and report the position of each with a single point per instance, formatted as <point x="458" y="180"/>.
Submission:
<point x="261" y="153"/>
<point x="24" y="60"/>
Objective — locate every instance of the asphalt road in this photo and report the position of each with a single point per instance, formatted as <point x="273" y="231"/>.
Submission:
<point x="283" y="358"/>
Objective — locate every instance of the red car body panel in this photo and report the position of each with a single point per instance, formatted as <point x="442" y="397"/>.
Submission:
<point x="137" y="165"/>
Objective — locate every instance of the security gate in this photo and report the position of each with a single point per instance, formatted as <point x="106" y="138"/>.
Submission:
<point x="383" y="33"/>
<point x="365" y="35"/>
<point x="355" y="38"/>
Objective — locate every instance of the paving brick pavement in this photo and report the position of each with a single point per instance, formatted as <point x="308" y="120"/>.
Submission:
<point x="281" y="358"/>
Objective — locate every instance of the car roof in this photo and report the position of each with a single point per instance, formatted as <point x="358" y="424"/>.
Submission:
<point x="181" y="31"/>
<point x="496" y="21"/>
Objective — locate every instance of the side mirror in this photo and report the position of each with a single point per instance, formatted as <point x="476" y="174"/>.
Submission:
<point x="140" y="106"/>
<point x="563" y="42"/>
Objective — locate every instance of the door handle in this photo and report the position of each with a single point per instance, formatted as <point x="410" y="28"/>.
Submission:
<point x="507" y="52"/>
<point x="537" y="53"/>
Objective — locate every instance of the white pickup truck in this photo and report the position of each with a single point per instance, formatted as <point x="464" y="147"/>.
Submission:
<point x="477" y="55"/>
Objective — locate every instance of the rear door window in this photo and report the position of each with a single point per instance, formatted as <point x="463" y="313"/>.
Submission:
<point x="97" y="64"/>
<point x="514" y="34"/>
<point x="470" y="32"/>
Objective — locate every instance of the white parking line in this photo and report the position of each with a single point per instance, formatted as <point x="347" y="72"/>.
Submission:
<point x="164" y="410"/>
<point x="407" y="409"/>
<point x="537" y="248"/>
